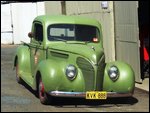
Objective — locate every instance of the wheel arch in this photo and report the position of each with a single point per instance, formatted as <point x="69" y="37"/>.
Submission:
<point x="37" y="78"/>
<point x="125" y="81"/>
<point x="22" y="55"/>
<point x="15" y="60"/>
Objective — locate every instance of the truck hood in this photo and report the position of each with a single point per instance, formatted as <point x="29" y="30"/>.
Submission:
<point x="91" y="51"/>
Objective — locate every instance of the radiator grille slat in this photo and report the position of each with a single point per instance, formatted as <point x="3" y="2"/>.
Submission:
<point x="88" y="73"/>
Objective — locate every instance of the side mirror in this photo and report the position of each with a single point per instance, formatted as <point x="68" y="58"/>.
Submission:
<point x="30" y="34"/>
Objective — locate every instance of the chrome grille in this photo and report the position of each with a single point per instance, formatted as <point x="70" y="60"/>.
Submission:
<point x="88" y="73"/>
<point x="100" y="73"/>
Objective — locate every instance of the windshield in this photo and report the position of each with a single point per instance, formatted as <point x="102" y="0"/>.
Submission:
<point x="73" y="32"/>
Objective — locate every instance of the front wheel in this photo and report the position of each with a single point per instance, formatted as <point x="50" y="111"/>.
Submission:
<point x="19" y="80"/>
<point x="44" y="97"/>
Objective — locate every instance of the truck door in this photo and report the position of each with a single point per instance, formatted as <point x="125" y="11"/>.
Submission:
<point x="36" y="49"/>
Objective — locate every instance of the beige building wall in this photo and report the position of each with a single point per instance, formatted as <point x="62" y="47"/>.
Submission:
<point x="52" y="7"/>
<point x="93" y="9"/>
<point x="127" y="34"/>
<point x="90" y="9"/>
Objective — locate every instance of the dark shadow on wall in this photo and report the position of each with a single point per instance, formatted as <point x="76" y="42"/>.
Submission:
<point x="144" y="35"/>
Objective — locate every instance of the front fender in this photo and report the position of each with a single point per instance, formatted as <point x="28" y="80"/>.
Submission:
<point x="54" y="78"/>
<point x="22" y="55"/>
<point x="125" y="82"/>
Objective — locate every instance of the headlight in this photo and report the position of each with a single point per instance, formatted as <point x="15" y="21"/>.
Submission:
<point x="71" y="72"/>
<point x="113" y="73"/>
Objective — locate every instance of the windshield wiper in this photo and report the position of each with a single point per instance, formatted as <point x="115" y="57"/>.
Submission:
<point x="86" y="42"/>
<point x="79" y="42"/>
<point x="59" y="39"/>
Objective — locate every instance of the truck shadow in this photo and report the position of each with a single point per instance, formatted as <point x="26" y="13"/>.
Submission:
<point x="81" y="102"/>
<point x="78" y="102"/>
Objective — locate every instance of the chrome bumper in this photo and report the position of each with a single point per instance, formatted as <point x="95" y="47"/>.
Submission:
<point x="83" y="94"/>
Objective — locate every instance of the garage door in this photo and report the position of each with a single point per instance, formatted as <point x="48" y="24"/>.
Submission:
<point x="6" y="24"/>
<point x="16" y="20"/>
<point x="126" y="33"/>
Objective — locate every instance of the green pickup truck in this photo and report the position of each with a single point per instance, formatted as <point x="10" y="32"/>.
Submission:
<point x="65" y="58"/>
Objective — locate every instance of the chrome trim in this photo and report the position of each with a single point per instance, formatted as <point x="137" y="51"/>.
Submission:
<point x="67" y="94"/>
<point x="115" y="94"/>
<point x="83" y="94"/>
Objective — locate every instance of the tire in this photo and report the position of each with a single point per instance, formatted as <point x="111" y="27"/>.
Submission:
<point x="43" y="96"/>
<point x="18" y="79"/>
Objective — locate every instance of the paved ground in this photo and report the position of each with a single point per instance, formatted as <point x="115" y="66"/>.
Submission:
<point x="144" y="85"/>
<point x="19" y="98"/>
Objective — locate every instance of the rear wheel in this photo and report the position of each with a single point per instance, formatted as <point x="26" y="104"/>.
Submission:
<point x="44" y="97"/>
<point x="19" y="80"/>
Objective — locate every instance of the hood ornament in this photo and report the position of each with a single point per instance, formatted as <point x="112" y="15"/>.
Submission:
<point x="93" y="48"/>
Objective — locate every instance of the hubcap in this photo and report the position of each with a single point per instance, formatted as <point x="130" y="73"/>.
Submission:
<point x="41" y="89"/>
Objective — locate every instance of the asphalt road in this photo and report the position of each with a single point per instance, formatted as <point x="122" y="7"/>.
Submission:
<point x="21" y="98"/>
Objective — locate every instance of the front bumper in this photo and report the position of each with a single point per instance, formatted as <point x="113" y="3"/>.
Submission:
<point x="83" y="94"/>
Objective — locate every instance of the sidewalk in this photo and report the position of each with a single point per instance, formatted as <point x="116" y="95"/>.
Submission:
<point x="144" y="85"/>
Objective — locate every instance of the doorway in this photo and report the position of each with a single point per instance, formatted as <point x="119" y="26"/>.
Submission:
<point x="144" y="35"/>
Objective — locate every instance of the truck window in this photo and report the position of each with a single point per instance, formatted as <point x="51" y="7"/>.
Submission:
<point x="72" y="32"/>
<point x="38" y="32"/>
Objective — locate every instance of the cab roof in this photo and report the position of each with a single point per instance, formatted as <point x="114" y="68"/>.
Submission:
<point x="53" y="19"/>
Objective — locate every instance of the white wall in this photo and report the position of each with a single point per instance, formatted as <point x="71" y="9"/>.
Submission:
<point x="6" y="29"/>
<point x="40" y="7"/>
<point x="22" y="15"/>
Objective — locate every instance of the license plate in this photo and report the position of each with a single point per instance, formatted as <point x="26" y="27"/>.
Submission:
<point x="96" y="95"/>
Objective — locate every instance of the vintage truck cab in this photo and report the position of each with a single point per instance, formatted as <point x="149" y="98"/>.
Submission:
<point x="65" y="58"/>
